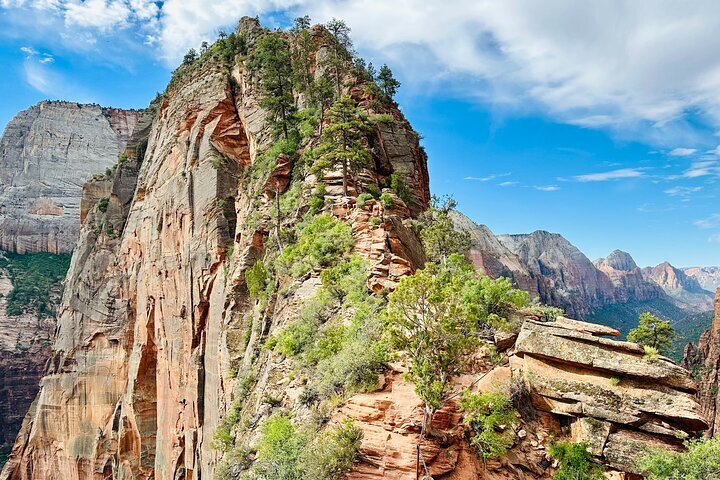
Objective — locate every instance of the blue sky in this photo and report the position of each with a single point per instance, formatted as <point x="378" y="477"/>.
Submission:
<point x="597" y="121"/>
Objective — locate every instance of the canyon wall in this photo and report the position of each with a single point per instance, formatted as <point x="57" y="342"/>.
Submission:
<point x="46" y="154"/>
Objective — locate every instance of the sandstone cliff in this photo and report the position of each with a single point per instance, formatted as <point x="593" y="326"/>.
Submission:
<point x="46" y="154"/>
<point x="168" y="319"/>
<point x="703" y="361"/>
<point x="683" y="288"/>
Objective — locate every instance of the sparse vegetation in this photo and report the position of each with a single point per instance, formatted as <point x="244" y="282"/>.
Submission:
<point x="288" y="451"/>
<point x="438" y="233"/>
<point x="489" y="417"/>
<point x="575" y="462"/>
<point x="321" y="242"/>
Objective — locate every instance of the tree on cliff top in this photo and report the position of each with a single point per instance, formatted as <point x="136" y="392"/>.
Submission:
<point x="343" y="140"/>
<point x="273" y="59"/>
<point x="340" y="50"/>
<point x="387" y="83"/>
<point x="438" y="234"/>
<point x="653" y="332"/>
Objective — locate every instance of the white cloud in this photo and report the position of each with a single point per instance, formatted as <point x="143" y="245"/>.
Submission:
<point x="489" y="177"/>
<point x="714" y="151"/>
<point x="682" y="152"/>
<point x="29" y="51"/>
<point x="710" y="222"/>
<point x="682" y="191"/>
<point x="635" y="66"/>
<point x="715" y="238"/>
<point x="702" y="169"/>
<point x="611" y="175"/>
<point x="508" y="184"/>
<point x="546" y="188"/>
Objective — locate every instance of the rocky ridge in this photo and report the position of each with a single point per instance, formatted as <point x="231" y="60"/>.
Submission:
<point x="158" y="329"/>
<point x="707" y="277"/>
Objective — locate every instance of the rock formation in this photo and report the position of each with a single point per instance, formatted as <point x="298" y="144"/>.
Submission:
<point x="46" y="154"/>
<point x="160" y="337"/>
<point x="683" y="288"/>
<point x="707" y="277"/>
<point x="703" y="361"/>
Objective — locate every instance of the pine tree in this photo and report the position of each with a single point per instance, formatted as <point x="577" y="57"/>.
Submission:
<point x="341" y="50"/>
<point x="272" y="59"/>
<point x="190" y="57"/>
<point x="387" y="83"/>
<point x="301" y="23"/>
<point x="653" y="332"/>
<point x="321" y="95"/>
<point x="303" y="55"/>
<point x="343" y="140"/>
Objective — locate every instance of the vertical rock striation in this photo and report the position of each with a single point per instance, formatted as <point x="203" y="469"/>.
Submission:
<point x="46" y="154"/>
<point x="703" y="361"/>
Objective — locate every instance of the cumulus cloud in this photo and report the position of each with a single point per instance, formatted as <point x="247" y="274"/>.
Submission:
<point x="611" y="175"/>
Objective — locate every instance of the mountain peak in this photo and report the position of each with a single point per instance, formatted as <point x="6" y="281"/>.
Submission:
<point x="618" y="260"/>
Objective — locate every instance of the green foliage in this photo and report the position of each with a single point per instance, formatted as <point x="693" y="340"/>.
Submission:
<point x="387" y="83"/>
<point x="321" y="242"/>
<point x="386" y="200"/>
<point x="493" y="300"/>
<point x="317" y="202"/>
<point x="427" y="319"/>
<point x="286" y="451"/>
<point x="653" y="332"/>
<point x="546" y="312"/>
<point x="400" y="188"/>
<point x="575" y="462"/>
<point x="340" y="51"/>
<point x="103" y="204"/>
<point x="614" y="381"/>
<point x="122" y="158"/>
<point x="485" y="414"/>
<point x="342" y="142"/>
<point x="362" y="199"/>
<point x="375" y="221"/>
<point x="34" y="277"/>
<point x="272" y="58"/>
<point x="265" y="163"/>
<point x="190" y="57"/>
<point x="3" y="459"/>
<point x="651" y="353"/>
<point x="438" y="233"/>
<point x="256" y="279"/>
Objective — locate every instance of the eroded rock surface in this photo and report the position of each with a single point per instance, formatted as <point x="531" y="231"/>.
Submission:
<point x="46" y="154"/>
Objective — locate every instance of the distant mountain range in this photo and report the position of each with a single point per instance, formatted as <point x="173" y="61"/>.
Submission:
<point x="613" y="290"/>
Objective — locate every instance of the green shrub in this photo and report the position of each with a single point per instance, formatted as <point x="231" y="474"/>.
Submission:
<point x="614" y="381"/>
<point x="484" y="414"/>
<point x="256" y="279"/>
<point x="296" y="337"/>
<point x="317" y="202"/>
<point x="701" y="461"/>
<point x="651" y="353"/>
<point x="286" y="451"/>
<point x="387" y="200"/>
<point x="103" y="204"/>
<point x="375" y="221"/>
<point x="321" y="243"/>
<point x="362" y="199"/>
<point x="575" y="462"/>
<point x="400" y="188"/>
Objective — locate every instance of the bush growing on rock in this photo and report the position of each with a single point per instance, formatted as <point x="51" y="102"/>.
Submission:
<point x="653" y="332"/>
<point x="489" y="416"/>
<point x="701" y="461"/>
<point x="575" y="462"/>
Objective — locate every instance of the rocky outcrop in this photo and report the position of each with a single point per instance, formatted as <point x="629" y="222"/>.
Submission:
<point x="703" y="361"/>
<point x="156" y="313"/>
<point x="46" y="154"/>
<point x="606" y="391"/>
<point x="685" y="289"/>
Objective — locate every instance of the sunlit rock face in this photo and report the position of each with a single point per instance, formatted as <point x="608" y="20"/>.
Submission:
<point x="46" y="154"/>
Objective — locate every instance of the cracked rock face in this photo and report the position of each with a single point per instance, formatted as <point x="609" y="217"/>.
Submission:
<point x="46" y="154"/>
